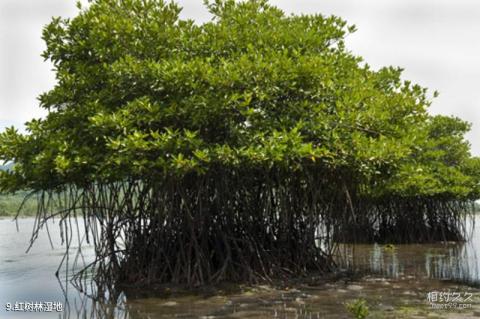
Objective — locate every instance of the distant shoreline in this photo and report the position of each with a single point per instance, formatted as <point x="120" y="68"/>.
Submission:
<point x="33" y="214"/>
<point x="7" y="216"/>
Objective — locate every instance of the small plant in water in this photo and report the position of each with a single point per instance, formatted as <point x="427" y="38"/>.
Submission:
<point x="389" y="247"/>
<point x="358" y="308"/>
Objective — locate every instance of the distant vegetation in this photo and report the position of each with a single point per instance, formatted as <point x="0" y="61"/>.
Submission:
<point x="10" y="203"/>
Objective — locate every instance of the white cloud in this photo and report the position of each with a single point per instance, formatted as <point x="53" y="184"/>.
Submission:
<point x="23" y="73"/>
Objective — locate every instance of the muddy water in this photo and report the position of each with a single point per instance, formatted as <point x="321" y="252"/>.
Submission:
<point x="401" y="280"/>
<point x="450" y="260"/>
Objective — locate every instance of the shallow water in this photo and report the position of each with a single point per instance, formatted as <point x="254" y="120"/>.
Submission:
<point x="402" y="277"/>
<point x="30" y="277"/>
<point x="450" y="260"/>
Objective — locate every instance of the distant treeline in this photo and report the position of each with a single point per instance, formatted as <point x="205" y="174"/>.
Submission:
<point x="10" y="204"/>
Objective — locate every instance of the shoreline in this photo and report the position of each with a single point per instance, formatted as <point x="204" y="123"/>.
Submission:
<point x="399" y="298"/>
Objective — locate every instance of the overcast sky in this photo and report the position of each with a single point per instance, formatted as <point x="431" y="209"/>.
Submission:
<point x="437" y="42"/>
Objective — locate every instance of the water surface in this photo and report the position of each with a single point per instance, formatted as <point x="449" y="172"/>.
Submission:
<point x="401" y="277"/>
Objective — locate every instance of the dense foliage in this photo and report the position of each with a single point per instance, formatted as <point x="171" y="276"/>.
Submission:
<point x="231" y="149"/>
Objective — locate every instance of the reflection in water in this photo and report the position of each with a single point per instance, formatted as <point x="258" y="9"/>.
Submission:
<point x="30" y="277"/>
<point x="455" y="261"/>
<point x="458" y="262"/>
<point x="272" y="304"/>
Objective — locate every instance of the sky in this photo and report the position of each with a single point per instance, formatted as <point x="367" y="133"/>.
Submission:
<point x="437" y="42"/>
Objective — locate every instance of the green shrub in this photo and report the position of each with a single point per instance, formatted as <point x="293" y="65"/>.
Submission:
<point x="358" y="308"/>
